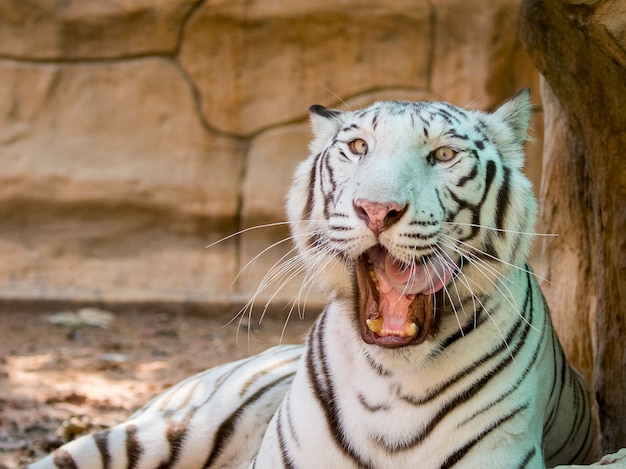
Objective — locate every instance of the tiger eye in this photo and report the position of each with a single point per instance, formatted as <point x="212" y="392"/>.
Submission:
<point x="358" y="146"/>
<point x="444" y="154"/>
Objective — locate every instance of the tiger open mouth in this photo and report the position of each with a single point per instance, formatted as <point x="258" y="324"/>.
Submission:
<point x="396" y="301"/>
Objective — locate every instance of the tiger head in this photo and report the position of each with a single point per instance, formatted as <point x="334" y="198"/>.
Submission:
<point x="402" y="205"/>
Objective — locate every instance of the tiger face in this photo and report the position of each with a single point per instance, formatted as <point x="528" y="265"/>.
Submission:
<point x="404" y="205"/>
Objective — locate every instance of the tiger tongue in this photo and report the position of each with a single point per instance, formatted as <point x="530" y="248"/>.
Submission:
<point x="393" y="307"/>
<point x="394" y="275"/>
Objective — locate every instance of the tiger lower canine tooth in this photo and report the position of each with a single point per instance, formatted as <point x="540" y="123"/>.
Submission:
<point x="375" y="325"/>
<point x="410" y="329"/>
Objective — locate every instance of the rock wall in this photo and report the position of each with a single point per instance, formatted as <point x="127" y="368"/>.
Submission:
<point x="133" y="134"/>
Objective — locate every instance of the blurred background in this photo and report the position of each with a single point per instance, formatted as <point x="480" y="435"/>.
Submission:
<point x="134" y="133"/>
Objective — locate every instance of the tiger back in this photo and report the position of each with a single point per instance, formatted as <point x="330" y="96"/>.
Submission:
<point x="436" y="348"/>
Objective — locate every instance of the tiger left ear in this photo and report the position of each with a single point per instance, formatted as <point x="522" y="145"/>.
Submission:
<point x="516" y="112"/>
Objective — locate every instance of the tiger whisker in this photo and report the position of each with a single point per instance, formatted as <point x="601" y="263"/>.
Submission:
<point x="497" y="259"/>
<point x="316" y="273"/>
<point x="257" y="227"/>
<point x="484" y="268"/>
<point x="444" y="259"/>
<point x="447" y="292"/>
<point x="486" y="310"/>
<point x="253" y="261"/>
<point x="501" y="230"/>
<point x="281" y="267"/>
<point x="476" y="262"/>
<point x="481" y="267"/>
<point x="464" y="279"/>
<point x="284" y="271"/>
<point x="283" y="282"/>
<point x="297" y="300"/>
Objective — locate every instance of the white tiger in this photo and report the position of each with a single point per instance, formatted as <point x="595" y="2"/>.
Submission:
<point x="436" y="348"/>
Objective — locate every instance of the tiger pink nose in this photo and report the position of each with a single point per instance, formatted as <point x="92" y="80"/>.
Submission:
<point x="378" y="216"/>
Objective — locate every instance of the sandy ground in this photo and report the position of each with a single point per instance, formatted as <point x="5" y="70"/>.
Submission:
<point x="57" y="381"/>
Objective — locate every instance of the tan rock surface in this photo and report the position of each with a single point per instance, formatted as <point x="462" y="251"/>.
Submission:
<point x="110" y="185"/>
<point x="477" y="58"/>
<point x="112" y="133"/>
<point x="89" y="29"/>
<point x="133" y="134"/>
<point x="248" y="62"/>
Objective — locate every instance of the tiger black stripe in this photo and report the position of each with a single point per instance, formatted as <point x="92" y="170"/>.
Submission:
<point x="454" y="135"/>
<point x="64" y="460"/>
<point x="490" y="174"/>
<point x="326" y="178"/>
<point x="307" y="213"/>
<point x="472" y="324"/>
<point x="448" y="116"/>
<point x="227" y="428"/>
<point x="479" y="144"/>
<point x="377" y="367"/>
<point x="176" y="434"/>
<point x="481" y="129"/>
<point x="134" y="449"/>
<point x="172" y="394"/>
<point x="369" y="407"/>
<point x="583" y="421"/>
<point x="326" y="398"/>
<point x="502" y="201"/>
<point x="458" y="456"/>
<point x="587" y="445"/>
<point x="529" y="455"/>
<point x="557" y="384"/>
<point x="468" y="177"/>
<point x="284" y="450"/>
<point x="219" y="382"/>
<point x="290" y="422"/>
<point x="455" y="110"/>
<point x="261" y="373"/>
<point x="578" y="396"/>
<point x="374" y="123"/>
<point x="102" y="443"/>
<point x="330" y="173"/>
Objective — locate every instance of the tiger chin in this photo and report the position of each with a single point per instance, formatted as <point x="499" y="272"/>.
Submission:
<point x="436" y="348"/>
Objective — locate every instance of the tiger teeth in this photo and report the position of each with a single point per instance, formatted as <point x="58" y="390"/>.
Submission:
<point x="374" y="278"/>
<point x="376" y="326"/>
<point x="410" y="329"/>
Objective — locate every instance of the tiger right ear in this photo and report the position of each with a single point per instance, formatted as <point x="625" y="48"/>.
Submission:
<point x="324" y="121"/>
